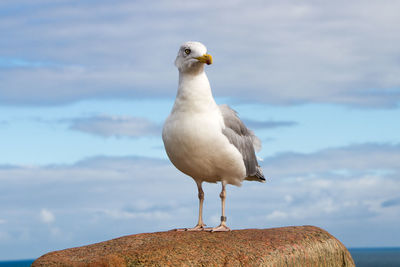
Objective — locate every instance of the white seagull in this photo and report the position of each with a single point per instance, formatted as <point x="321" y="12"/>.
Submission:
<point x="204" y="140"/>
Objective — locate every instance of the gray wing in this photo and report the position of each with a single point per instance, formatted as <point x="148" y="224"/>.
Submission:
<point x="244" y="140"/>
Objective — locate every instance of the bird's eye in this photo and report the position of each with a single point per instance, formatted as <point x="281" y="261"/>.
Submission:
<point x="187" y="51"/>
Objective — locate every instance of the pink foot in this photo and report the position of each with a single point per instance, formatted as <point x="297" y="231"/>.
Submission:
<point x="197" y="228"/>
<point x="221" y="228"/>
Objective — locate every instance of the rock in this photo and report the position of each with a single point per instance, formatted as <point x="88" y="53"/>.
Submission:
<point x="286" y="246"/>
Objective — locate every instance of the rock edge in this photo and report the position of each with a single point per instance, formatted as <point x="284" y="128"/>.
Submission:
<point x="285" y="246"/>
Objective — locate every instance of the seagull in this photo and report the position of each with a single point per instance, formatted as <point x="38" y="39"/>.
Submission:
<point x="206" y="141"/>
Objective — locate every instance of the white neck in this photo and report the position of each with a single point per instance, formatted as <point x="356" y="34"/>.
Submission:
<point x="194" y="92"/>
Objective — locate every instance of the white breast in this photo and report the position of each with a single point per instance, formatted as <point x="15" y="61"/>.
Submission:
<point x="196" y="146"/>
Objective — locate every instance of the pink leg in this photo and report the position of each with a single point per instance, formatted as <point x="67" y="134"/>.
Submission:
<point x="200" y="224"/>
<point x="222" y="227"/>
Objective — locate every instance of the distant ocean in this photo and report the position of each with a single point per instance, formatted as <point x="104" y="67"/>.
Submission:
<point x="376" y="257"/>
<point x="18" y="263"/>
<point x="363" y="257"/>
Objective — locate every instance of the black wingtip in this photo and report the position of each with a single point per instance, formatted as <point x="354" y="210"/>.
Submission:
<point x="260" y="178"/>
<point x="260" y="175"/>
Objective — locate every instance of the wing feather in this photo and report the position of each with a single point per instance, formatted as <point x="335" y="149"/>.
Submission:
<point x="244" y="140"/>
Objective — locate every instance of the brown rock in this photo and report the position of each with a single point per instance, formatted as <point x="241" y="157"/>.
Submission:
<point x="286" y="246"/>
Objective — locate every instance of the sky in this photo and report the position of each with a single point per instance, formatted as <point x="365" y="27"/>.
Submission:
<point x="85" y="87"/>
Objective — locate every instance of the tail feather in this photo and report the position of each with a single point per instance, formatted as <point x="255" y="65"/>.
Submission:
<point x="258" y="176"/>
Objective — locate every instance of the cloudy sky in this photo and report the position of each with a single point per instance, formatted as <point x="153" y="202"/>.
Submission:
<point x="86" y="85"/>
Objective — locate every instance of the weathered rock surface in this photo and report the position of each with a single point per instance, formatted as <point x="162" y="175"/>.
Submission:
<point x="286" y="246"/>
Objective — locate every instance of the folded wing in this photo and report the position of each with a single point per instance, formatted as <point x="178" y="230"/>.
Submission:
<point x="244" y="140"/>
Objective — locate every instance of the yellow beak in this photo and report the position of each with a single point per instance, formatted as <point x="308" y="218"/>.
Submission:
<point x="206" y="58"/>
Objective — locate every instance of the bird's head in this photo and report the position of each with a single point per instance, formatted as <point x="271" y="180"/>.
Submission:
<point x="192" y="56"/>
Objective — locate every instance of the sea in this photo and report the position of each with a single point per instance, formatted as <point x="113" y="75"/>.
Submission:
<point x="363" y="257"/>
<point x="16" y="263"/>
<point x="376" y="257"/>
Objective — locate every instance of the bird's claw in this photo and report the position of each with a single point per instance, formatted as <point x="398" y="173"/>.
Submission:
<point x="221" y="228"/>
<point x="197" y="228"/>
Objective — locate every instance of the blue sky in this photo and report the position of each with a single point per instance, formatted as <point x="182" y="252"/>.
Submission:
<point x="86" y="85"/>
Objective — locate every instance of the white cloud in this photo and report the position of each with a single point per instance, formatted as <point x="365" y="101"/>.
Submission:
<point x="144" y="215"/>
<point x="113" y="125"/>
<point x="288" y="198"/>
<point x="290" y="52"/>
<point x="276" y="214"/>
<point x="5" y="237"/>
<point x="47" y="216"/>
<point x="55" y="231"/>
<point x="340" y="161"/>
